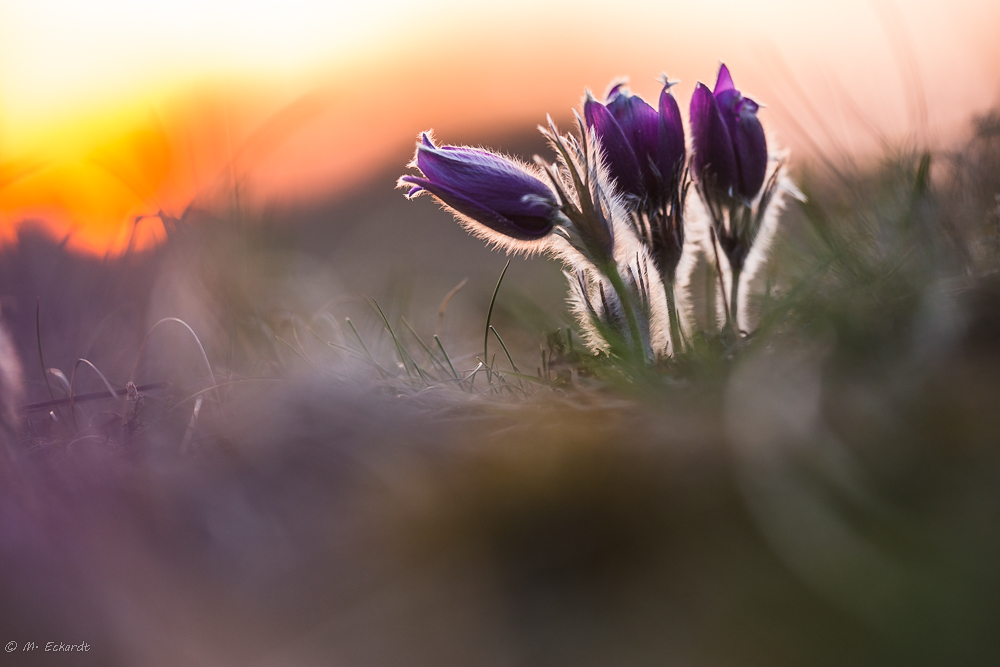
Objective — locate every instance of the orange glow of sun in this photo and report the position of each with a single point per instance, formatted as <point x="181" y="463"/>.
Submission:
<point x="114" y="110"/>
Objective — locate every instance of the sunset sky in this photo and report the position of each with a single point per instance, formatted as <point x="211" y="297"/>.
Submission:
<point x="115" y="108"/>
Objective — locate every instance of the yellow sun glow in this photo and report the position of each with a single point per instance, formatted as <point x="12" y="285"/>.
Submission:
<point x="111" y="109"/>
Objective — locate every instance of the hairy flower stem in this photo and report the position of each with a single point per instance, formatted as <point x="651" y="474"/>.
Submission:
<point x="734" y="295"/>
<point x="611" y="271"/>
<point x="719" y="276"/>
<point x="675" y="325"/>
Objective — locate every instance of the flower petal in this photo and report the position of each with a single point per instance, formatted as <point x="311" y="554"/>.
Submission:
<point x="751" y="152"/>
<point x="615" y="91"/>
<point x="523" y="227"/>
<point x="483" y="177"/>
<point x="639" y="123"/>
<point x="724" y="82"/>
<point x="713" y="160"/>
<point x="671" y="135"/>
<point x="619" y="157"/>
<point x="490" y="189"/>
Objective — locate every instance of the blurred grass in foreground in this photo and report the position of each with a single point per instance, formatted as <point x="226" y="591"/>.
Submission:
<point x="826" y="492"/>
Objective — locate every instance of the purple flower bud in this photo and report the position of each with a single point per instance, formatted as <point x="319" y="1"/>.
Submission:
<point x="671" y="151"/>
<point x="730" y="150"/>
<point x="487" y="188"/>
<point x="713" y="159"/>
<point x="655" y="140"/>
<point x="619" y="156"/>
<point x="641" y="126"/>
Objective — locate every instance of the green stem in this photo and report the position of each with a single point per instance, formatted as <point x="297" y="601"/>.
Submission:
<point x="611" y="271"/>
<point x="675" y="325"/>
<point x="721" y="278"/>
<point x="734" y="296"/>
<point x="489" y="316"/>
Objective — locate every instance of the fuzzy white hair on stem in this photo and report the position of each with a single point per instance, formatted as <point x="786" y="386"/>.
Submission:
<point x="580" y="176"/>
<point x="777" y="189"/>
<point x="583" y="294"/>
<point x="602" y="315"/>
<point x="760" y="252"/>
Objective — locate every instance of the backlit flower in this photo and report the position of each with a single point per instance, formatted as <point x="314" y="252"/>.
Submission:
<point x="644" y="148"/>
<point x="730" y="151"/>
<point x="486" y="188"/>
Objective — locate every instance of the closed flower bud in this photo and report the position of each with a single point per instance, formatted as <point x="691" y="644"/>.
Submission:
<point x="641" y="126"/>
<point x="730" y="151"/>
<point x="617" y="147"/>
<point x="486" y="188"/>
<point x="643" y="146"/>
<point x="670" y="151"/>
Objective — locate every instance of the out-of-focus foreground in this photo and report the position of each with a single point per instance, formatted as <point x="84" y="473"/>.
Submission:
<point x="287" y="487"/>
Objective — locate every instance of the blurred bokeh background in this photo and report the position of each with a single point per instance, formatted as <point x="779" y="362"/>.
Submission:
<point x="828" y="497"/>
<point x="112" y="109"/>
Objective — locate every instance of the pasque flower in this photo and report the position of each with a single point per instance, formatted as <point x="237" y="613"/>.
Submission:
<point x="643" y="147"/>
<point x="644" y="152"/>
<point x="614" y="203"/>
<point x="730" y="151"/>
<point x="489" y="189"/>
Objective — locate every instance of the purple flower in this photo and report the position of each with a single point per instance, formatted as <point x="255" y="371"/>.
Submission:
<point x="619" y="155"/>
<point x="671" y="153"/>
<point x="491" y="190"/>
<point x="643" y="147"/>
<point x="730" y="150"/>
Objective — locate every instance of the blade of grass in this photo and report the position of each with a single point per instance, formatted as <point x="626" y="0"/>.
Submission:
<point x="472" y="376"/>
<point x="92" y="396"/>
<point x="489" y="316"/>
<point x="189" y="433"/>
<point x="430" y="353"/>
<point x="428" y="380"/>
<point x="349" y="350"/>
<point x="446" y="357"/>
<point x="512" y="364"/>
<point x="232" y="383"/>
<point x="399" y="348"/>
<point x="295" y="322"/>
<point x="329" y="343"/>
<point x="59" y="375"/>
<point x="201" y="349"/>
<point x="72" y="384"/>
<point x="364" y="347"/>
<point x="722" y="281"/>
<point x="294" y="351"/>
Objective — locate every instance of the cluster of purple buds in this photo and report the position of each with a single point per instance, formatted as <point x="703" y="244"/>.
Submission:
<point x="613" y="205"/>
